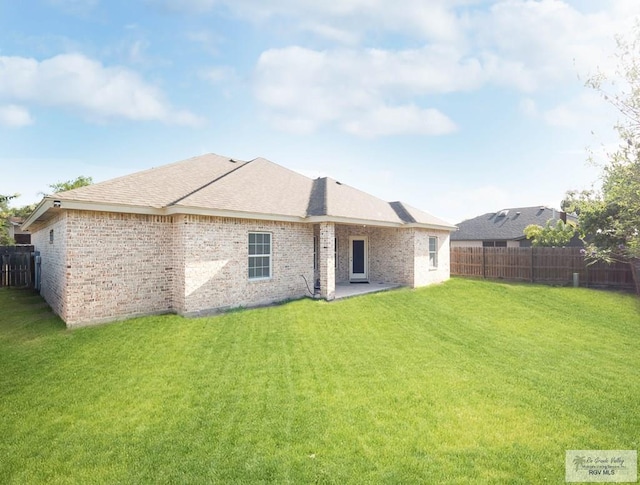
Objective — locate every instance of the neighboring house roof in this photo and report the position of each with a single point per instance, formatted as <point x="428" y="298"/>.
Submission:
<point x="506" y="224"/>
<point x="215" y="185"/>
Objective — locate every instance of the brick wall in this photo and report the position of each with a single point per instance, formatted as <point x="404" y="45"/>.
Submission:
<point x="396" y="255"/>
<point x="216" y="261"/>
<point x="423" y="275"/>
<point x="53" y="266"/>
<point x="118" y="265"/>
<point x="390" y="252"/>
<point x="108" y="266"/>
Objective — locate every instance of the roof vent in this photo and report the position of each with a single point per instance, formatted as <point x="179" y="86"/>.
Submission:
<point x="503" y="213"/>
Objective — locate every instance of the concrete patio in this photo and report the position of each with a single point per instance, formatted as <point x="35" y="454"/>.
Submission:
<point x="346" y="289"/>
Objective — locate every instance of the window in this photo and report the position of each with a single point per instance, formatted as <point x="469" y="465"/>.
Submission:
<point x="494" y="244"/>
<point x="433" y="252"/>
<point x="259" y="255"/>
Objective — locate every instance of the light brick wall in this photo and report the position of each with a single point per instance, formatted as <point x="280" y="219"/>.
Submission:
<point x="54" y="261"/>
<point x="396" y="255"/>
<point x="106" y="266"/>
<point x="423" y="275"/>
<point x="326" y="260"/>
<point x="390" y="252"/>
<point x="119" y="265"/>
<point x="216" y="262"/>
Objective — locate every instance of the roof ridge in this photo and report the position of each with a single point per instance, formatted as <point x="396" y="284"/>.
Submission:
<point x="211" y="182"/>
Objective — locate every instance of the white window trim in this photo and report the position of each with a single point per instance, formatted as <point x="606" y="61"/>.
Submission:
<point x="270" y="256"/>
<point x="435" y="253"/>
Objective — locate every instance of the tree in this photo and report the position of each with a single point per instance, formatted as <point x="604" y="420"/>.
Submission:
<point x="551" y="235"/>
<point x="5" y="213"/>
<point x="80" y="181"/>
<point x="23" y="212"/>
<point x="611" y="217"/>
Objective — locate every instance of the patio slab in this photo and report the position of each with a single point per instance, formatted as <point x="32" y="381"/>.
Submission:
<point x="346" y="289"/>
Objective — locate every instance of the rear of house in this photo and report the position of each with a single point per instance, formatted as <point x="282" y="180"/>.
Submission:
<point x="212" y="233"/>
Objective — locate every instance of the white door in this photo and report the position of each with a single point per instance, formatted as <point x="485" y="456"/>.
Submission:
<point x="358" y="258"/>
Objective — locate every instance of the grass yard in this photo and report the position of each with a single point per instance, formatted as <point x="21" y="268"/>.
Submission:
<point x="465" y="382"/>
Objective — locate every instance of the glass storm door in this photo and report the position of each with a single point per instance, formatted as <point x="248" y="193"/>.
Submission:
<point x="358" y="264"/>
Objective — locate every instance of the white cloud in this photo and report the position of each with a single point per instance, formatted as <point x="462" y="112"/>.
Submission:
<point x="587" y="107"/>
<point x="528" y="107"/>
<point x="426" y="19"/>
<point x="339" y="35"/>
<point x="536" y="45"/>
<point x="396" y="120"/>
<point x="220" y="74"/>
<point x="364" y="92"/>
<point x="525" y="46"/>
<point x="14" y="116"/>
<point x="76" y="82"/>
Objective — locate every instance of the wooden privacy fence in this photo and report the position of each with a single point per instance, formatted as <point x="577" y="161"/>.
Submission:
<point x="16" y="266"/>
<point x="539" y="265"/>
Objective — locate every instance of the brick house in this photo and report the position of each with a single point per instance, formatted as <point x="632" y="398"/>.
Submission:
<point x="212" y="233"/>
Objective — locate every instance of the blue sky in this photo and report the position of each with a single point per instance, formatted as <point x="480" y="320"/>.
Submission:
<point x="458" y="107"/>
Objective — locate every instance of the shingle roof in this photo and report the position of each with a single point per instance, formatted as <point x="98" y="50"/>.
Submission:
<point x="506" y="224"/>
<point x="157" y="187"/>
<point x="215" y="183"/>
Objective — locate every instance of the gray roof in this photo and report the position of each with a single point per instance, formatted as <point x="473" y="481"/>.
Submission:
<point x="506" y="224"/>
<point x="222" y="185"/>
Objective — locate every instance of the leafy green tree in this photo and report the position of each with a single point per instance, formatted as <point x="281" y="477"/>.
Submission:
<point x="551" y="235"/>
<point x="5" y="213"/>
<point x="80" y="181"/>
<point x="24" y="211"/>
<point x="575" y="199"/>
<point x="611" y="216"/>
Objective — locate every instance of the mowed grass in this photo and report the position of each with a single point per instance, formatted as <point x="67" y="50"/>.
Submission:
<point x="465" y="382"/>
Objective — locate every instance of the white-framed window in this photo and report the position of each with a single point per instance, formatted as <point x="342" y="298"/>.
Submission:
<point x="433" y="252"/>
<point x="259" y="255"/>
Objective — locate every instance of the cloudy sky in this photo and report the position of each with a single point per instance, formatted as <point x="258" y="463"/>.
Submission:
<point x="458" y="107"/>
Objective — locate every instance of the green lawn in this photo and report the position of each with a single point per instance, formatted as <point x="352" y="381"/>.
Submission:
<point x="468" y="381"/>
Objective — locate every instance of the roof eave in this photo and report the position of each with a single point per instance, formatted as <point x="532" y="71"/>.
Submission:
<point x="353" y="221"/>
<point x="51" y="203"/>
<point x="44" y="205"/>
<point x="233" y="214"/>
<point x="440" y="227"/>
